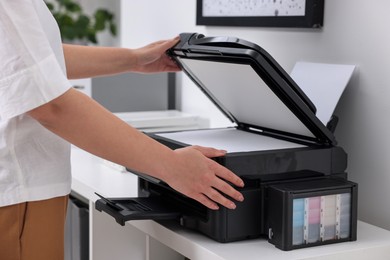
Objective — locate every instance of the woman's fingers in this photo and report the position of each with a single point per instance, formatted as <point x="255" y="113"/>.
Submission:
<point x="203" y="179"/>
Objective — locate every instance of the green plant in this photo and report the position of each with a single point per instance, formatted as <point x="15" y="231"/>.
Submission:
<point x="76" y="25"/>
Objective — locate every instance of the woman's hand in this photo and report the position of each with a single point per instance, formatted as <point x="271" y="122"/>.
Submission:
<point x="152" y="57"/>
<point x="200" y="178"/>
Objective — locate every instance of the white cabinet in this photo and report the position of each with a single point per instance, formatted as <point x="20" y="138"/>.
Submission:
<point x="149" y="240"/>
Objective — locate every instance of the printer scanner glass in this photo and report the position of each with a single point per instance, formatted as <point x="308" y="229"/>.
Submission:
<point x="240" y="91"/>
<point x="230" y="139"/>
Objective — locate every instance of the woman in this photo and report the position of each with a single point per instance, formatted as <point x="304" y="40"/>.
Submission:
<point x="40" y="115"/>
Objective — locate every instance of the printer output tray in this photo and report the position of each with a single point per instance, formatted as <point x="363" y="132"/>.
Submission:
<point x="125" y="209"/>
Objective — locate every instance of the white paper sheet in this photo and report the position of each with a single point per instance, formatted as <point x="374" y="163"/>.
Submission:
<point x="323" y="84"/>
<point x="230" y="139"/>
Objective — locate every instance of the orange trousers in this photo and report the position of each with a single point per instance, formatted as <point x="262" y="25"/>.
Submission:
<point x="33" y="230"/>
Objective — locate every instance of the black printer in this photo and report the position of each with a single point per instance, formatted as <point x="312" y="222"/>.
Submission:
<point x="296" y="189"/>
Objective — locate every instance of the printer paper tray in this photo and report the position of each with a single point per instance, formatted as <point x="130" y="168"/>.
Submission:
<point x="125" y="209"/>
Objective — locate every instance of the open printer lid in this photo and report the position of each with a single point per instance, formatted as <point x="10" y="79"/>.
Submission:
<point x="250" y="87"/>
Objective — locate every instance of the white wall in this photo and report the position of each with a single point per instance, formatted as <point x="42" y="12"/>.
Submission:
<point x="355" y="32"/>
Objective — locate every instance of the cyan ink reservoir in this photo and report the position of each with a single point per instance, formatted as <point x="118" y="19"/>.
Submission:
<point x="312" y="212"/>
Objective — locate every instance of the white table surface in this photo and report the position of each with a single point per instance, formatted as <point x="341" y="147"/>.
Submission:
<point x="91" y="174"/>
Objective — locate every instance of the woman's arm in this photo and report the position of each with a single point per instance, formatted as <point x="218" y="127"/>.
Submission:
<point x="83" y="122"/>
<point x="90" y="61"/>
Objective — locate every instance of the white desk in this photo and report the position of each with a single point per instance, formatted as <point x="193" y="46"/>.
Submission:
<point x="151" y="240"/>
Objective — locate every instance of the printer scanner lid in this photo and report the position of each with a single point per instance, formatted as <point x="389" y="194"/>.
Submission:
<point x="250" y="87"/>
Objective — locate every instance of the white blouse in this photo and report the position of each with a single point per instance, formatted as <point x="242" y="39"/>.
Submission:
<point x="34" y="163"/>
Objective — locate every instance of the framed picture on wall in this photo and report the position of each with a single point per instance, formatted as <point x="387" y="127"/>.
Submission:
<point x="261" y="13"/>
